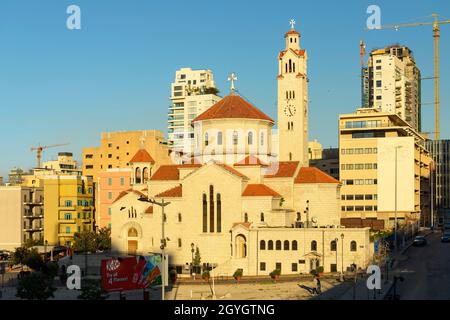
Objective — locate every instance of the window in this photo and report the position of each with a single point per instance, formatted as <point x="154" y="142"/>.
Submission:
<point x="246" y="217"/>
<point x="286" y="245"/>
<point x="359" y="197"/>
<point x="235" y="137"/>
<point x="109" y="181"/>
<point x="270" y="245"/>
<point x="262" y="216"/>
<point x="278" y="245"/>
<point x="250" y="138"/>
<point x="353" y="246"/>
<point x="68" y="216"/>
<point x="206" y="139"/>
<point x="179" y="217"/>
<point x="333" y="245"/>
<point x="359" y="208"/>
<point x="179" y="243"/>
<point x="333" y="267"/>
<point x="219" y="138"/>
<point x="262" y="245"/>
<point x="350" y="208"/>
<point x="314" y="245"/>
<point x="67" y="229"/>
<point x="109" y="195"/>
<point x="262" y="266"/>
<point x="68" y="203"/>
<point x="278" y="265"/>
<point x="294" y="267"/>
<point x="89" y="167"/>
<point x="262" y="138"/>
<point x="109" y="211"/>
<point x="122" y="181"/>
<point x="219" y="213"/>
<point x="109" y="156"/>
<point x="205" y="213"/>
<point x="378" y="83"/>
<point x="294" y="245"/>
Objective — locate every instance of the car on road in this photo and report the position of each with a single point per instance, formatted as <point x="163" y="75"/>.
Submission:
<point x="445" y="236"/>
<point x="419" y="241"/>
<point x="4" y="255"/>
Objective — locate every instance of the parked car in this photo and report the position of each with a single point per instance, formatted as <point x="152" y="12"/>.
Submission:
<point x="4" y="255"/>
<point x="445" y="237"/>
<point x="419" y="241"/>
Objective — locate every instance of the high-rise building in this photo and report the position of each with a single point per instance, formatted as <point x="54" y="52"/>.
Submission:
<point x="21" y="216"/>
<point x="328" y="162"/>
<point x="369" y="141"/>
<point x="440" y="152"/>
<point x="293" y="100"/>
<point x="192" y="93"/>
<point x="392" y="84"/>
<point x="69" y="207"/>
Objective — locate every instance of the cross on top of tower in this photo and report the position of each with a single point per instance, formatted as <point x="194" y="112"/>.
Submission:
<point x="292" y="23"/>
<point x="232" y="78"/>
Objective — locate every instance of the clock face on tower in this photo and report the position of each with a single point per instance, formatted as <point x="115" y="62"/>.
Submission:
<point x="290" y="110"/>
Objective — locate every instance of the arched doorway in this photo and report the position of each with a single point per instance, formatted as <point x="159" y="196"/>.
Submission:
<point x="241" y="246"/>
<point x="132" y="241"/>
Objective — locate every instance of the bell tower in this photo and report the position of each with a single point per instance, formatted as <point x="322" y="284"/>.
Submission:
<point x="293" y="100"/>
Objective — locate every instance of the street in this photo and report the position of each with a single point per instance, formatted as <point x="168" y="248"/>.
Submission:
<point x="426" y="271"/>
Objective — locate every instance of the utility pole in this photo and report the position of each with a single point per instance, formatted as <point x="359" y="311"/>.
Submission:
<point x="436" y="73"/>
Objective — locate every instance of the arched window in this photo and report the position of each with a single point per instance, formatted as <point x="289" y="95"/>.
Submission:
<point x="145" y="174"/>
<point x="246" y="217"/>
<point x="293" y="94"/>
<point x="270" y="245"/>
<point x="314" y="245"/>
<point x="262" y="138"/>
<point x="205" y="213"/>
<point x="287" y="95"/>
<point x="298" y="216"/>
<point x="290" y="156"/>
<point x="278" y="245"/>
<point x="138" y="175"/>
<point x="235" y="137"/>
<point x="179" y="217"/>
<point x="219" y="138"/>
<point x="294" y="245"/>
<point x="353" y="246"/>
<point x="219" y="212"/>
<point x="292" y="125"/>
<point x="132" y="233"/>
<point x="262" y="216"/>
<point x="333" y="245"/>
<point x="293" y="67"/>
<point x="211" y="208"/>
<point x="289" y="125"/>
<point x="262" y="245"/>
<point x="290" y="65"/>
<point x="250" y="138"/>
<point x="286" y="245"/>
<point x="286" y="68"/>
<point x="206" y="139"/>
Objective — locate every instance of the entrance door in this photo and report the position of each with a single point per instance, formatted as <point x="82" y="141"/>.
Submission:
<point x="132" y="247"/>
<point x="313" y="264"/>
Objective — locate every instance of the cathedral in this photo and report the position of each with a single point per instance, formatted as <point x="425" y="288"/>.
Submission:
<point x="246" y="198"/>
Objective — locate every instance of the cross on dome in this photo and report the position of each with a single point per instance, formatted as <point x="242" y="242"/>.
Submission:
<point x="232" y="78"/>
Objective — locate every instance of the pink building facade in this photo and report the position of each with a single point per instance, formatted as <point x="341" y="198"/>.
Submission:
<point x="110" y="184"/>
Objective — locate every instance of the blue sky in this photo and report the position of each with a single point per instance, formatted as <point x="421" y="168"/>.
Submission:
<point x="58" y="85"/>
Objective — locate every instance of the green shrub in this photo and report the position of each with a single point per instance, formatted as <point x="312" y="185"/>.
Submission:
<point x="238" y="273"/>
<point x="35" y="286"/>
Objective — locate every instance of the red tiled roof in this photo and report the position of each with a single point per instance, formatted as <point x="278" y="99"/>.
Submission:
<point x="124" y="193"/>
<point x="176" y="192"/>
<point x="244" y="224"/>
<point x="233" y="106"/>
<point x="291" y="32"/>
<point x="142" y="156"/>
<point x="251" y="161"/>
<point x="259" y="190"/>
<point x="313" y="175"/>
<point x="232" y="170"/>
<point x="282" y="169"/>
<point x="171" y="172"/>
<point x="149" y="210"/>
<point x="298" y="52"/>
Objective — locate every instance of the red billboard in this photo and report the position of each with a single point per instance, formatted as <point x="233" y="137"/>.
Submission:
<point x="130" y="273"/>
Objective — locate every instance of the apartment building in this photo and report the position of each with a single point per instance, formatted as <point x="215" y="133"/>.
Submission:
<point x="69" y="207"/>
<point x="21" y="216"/>
<point x="384" y="169"/>
<point x="392" y="84"/>
<point x="65" y="163"/>
<point x="117" y="149"/>
<point x="192" y="93"/>
<point x="328" y="162"/>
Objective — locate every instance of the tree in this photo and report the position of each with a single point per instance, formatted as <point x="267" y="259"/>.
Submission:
<point x="34" y="260"/>
<point x="197" y="258"/>
<point x="103" y="239"/>
<point x="19" y="256"/>
<point x="35" y="286"/>
<point x="91" y="289"/>
<point x="85" y="241"/>
<point x="211" y="90"/>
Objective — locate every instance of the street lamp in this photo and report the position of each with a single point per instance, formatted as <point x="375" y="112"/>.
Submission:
<point x="192" y="255"/>
<point x="162" y="204"/>
<point x="342" y="260"/>
<point x="395" y="207"/>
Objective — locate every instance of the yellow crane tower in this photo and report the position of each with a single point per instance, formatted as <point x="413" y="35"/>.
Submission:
<point x="436" y="35"/>
<point x="39" y="149"/>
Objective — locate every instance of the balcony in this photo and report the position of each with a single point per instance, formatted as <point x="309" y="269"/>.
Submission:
<point x="33" y="216"/>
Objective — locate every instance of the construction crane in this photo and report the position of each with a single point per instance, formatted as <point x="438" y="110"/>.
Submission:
<point x="40" y="148"/>
<point x="436" y="35"/>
